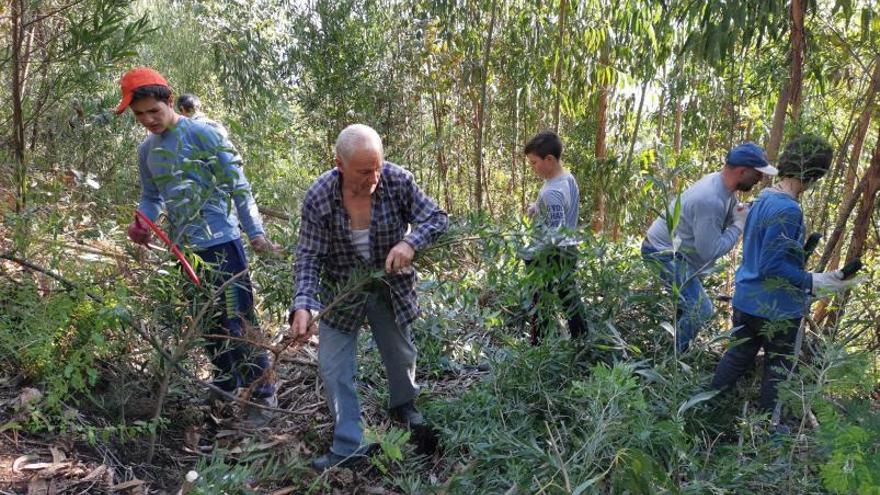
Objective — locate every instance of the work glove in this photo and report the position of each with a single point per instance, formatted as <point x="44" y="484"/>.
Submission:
<point x="829" y="282"/>
<point x="138" y="232"/>
<point x="740" y="213"/>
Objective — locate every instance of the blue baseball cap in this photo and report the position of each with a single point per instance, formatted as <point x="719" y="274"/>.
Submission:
<point x="750" y="155"/>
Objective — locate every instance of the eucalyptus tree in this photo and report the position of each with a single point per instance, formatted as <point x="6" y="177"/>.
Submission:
<point x="52" y="50"/>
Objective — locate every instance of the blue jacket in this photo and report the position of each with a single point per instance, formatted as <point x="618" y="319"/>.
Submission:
<point x="771" y="283"/>
<point x="195" y="174"/>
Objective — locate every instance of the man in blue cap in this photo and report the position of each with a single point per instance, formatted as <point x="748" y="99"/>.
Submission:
<point x="709" y="225"/>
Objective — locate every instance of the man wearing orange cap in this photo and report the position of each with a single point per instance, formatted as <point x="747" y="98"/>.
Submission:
<point x="192" y="171"/>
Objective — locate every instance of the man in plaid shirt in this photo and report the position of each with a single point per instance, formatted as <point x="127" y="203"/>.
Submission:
<point x="356" y="220"/>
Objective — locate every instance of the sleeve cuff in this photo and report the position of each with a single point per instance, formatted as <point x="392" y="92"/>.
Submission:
<point x="256" y="231"/>
<point x="416" y="242"/>
<point x="808" y="283"/>
<point x="150" y="209"/>
<point x="305" y="302"/>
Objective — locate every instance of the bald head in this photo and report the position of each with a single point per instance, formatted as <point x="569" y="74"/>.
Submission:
<point x="358" y="139"/>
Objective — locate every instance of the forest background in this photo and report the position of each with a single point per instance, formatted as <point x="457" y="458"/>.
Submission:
<point x="99" y="355"/>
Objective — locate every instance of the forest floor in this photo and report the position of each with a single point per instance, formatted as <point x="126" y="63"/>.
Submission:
<point x="48" y="463"/>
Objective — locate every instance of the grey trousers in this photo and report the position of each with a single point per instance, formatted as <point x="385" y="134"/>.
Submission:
<point x="337" y="362"/>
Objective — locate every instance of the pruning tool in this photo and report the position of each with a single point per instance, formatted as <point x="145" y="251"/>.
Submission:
<point x="174" y="249"/>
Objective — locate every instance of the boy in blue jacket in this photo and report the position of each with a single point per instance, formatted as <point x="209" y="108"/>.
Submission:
<point x="772" y="288"/>
<point x="190" y="170"/>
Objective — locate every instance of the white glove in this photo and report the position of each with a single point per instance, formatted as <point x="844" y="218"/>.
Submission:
<point x="826" y="282"/>
<point x="740" y="213"/>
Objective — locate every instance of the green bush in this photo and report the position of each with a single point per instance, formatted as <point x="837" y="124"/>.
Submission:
<point x="56" y="340"/>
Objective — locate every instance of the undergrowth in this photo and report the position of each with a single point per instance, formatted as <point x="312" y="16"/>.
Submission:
<point x="616" y="412"/>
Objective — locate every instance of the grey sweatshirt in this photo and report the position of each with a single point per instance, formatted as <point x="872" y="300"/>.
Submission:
<point x="705" y="225"/>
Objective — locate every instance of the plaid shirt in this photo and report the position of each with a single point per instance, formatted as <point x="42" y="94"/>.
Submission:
<point x="325" y="249"/>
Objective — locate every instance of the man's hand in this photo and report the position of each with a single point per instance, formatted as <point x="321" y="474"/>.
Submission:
<point x="400" y="257"/>
<point x="263" y="245"/>
<point x="740" y="213"/>
<point x="139" y="233"/>
<point x="300" y="330"/>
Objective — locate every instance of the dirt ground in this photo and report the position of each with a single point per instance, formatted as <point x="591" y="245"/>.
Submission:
<point x="49" y="463"/>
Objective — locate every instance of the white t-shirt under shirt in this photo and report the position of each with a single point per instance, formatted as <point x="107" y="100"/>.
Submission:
<point x="360" y="239"/>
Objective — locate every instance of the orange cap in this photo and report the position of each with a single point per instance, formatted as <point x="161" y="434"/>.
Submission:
<point x="138" y="78"/>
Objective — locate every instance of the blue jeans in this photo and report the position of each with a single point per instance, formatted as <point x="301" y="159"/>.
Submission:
<point x="236" y="364"/>
<point x="337" y="362"/>
<point x="694" y="306"/>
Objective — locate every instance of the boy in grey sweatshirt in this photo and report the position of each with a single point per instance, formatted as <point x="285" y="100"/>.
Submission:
<point x="554" y="261"/>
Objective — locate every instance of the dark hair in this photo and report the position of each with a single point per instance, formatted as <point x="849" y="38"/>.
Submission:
<point x="188" y="102"/>
<point x="544" y="143"/>
<point x="157" y="91"/>
<point x="806" y="157"/>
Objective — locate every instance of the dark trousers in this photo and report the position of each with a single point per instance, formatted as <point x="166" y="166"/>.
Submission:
<point x="554" y="272"/>
<point x="776" y="337"/>
<point x="236" y="363"/>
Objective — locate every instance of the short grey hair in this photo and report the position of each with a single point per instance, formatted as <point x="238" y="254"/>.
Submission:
<point x="358" y="137"/>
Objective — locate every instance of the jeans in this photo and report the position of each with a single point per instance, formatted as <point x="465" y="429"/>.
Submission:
<point x="776" y="337"/>
<point x="554" y="272"/>
<point x="236" y="364"/>
<point x="694" y="306"/>
<point x="337" y="363"/>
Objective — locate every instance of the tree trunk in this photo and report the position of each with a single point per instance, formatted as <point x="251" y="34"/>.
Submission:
<point x="847" y="208"/>
<point x="829" y="184"/>
<point x="660" y="115"/>
<point x="514" y="147"/>
<point x="439" y="148"/>
<point x="862" y="224"/>
<point x="635" y="134"/>
<point x="795" y="78"/>
<point x="790" y="95"/>
<point x="856" y="152"/>
<point x="676" y="136"/>
<point x="867" y="189"/>
<point x="598" y="223"/>
<point x="559" y="58"/>
<point x="18" y="137"/>
<point x="776" y="131"/>
<point x="481" y="111"/>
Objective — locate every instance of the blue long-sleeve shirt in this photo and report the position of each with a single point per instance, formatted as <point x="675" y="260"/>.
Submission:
<point x="771" y="283"/>
<point x="193" y="172"/>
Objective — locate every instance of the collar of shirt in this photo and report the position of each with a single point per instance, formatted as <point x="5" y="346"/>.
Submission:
<point x="337" y="188"/>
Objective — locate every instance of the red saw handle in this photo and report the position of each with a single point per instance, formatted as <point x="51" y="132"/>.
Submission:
<point x="174" y="249"/>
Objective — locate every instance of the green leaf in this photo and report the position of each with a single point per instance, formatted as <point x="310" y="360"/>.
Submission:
<point x="582" y="488"/>
<point x="696" y="399"/>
